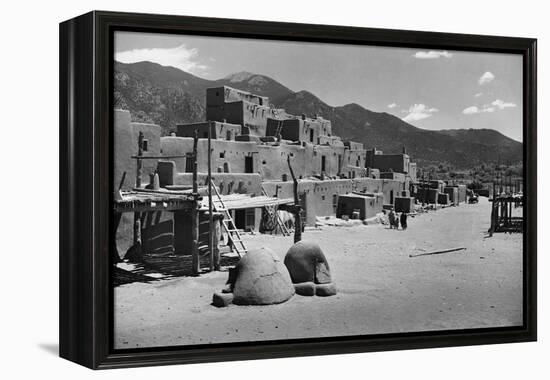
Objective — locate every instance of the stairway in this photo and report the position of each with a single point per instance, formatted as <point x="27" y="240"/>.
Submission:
<point x="228" y="222"/>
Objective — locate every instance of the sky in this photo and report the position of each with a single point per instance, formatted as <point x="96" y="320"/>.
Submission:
<point x="430" y="89"/>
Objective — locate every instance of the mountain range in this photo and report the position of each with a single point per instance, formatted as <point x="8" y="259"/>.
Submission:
<point x="168" y="96"/>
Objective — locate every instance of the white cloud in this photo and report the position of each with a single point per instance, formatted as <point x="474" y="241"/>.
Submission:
<point x="432" y="54"/>
<point x="392" y="105"/>
<point x="502" y="105"/>
<point x="494" y="106"/>
<point x="470" y="110"/>
<point x="418" y="112"/>
<point x="486" y="78"/>
<point x="478" y="94"/>
<point x="180" y="57"/>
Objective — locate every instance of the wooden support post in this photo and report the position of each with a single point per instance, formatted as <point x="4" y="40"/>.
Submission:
<point x="195" y="259"/>
<point x="137" y="229"/>
<point x="297" y="207"/>
<point x="195" y="162"/>
<point x="492" y="227"/>
<point x="210" y="216"/>
<point x="217" y="230"/>
<point x="138" y="161"/>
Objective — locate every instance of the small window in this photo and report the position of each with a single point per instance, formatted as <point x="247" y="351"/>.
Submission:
<point x="264" y="162"/>
<point x="222" y="154"/>
<point x="145" y="145"/>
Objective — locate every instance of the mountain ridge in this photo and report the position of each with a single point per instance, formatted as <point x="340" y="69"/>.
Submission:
<point x="166" y="95"/>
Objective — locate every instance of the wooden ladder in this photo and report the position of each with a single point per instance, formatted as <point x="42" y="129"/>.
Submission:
<point x="274" y="215"/>
<point x="228" y="222"/>
<point x="279" y="128"/>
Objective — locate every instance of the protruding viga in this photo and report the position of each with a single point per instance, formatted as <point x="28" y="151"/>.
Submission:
<point x="309" y="270"/>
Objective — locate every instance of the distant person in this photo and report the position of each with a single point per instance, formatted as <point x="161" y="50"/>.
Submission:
<point x="403" y="220"/>
<point x="392" y="218"/>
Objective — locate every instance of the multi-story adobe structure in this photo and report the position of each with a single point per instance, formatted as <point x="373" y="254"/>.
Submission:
<point x="250" y="145"/>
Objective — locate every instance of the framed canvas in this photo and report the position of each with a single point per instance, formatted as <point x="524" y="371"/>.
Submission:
<point x="237" y="189"/>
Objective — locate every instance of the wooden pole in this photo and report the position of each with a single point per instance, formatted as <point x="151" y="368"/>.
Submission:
<point x="297" y="208"/>
<point x="216" y="238"/>
<point x="195" y="259"/>
<point x="492" y="227"/>
<point x="439" y="252"/>
<point x="139" y="163"/>
<point x="137" y="229"/>
<point x="210" y="216"/>
<point x="195" y="163"/>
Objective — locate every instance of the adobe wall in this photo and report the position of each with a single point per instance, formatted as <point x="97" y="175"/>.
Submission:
<point x="219" y="130"/>
<point x="240" y="107"/>
<point x="452" y="192"/>
<point x="412" y="171"/>
<point x="390" y="188"/>
<point x="217" y="96"/>
<point x="393" y="175"/>
<point x="320" y="197"/>
<point x="126" y="134"/>
<point x="368" y="206"/>
<point x="300" y="129"/>
<point x="228" y="183"/>
<point x="269" y="160"/>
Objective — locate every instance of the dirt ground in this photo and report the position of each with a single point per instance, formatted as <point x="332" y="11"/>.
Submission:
<point x="380" y="288"/>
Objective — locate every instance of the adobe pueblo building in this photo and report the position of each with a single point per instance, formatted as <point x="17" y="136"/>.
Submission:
<point x="251" y="146"/>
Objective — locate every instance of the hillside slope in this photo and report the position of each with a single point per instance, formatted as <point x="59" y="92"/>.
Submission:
<point x="167" y="96"/>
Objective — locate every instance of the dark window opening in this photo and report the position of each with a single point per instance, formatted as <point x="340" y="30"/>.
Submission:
<point x="228" y="135"/>
<point x="189" y="164"/>
<point x="145" y="145"/>
<point x="311" y="135"/>
<point x="248" y="165"/>
<point x="222" y="154"/>
<point x="323" y="163"/>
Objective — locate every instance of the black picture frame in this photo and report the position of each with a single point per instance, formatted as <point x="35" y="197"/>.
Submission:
<point x="85" y="107"/>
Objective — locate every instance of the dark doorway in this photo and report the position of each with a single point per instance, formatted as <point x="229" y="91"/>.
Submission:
<point x="311" y="135"/>
<point x="248" y="165"/>
<point x="323" y="163"/>
<point x="391" y="196"/>
<point x="244" y="219"/>
<point x="240" y="219"/>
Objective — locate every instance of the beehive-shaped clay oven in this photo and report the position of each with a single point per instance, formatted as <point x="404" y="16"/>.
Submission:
<point x="260" y="278"/>
<point x="309" y="270"/>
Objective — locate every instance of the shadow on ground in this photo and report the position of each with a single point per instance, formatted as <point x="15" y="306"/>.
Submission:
<point x="163" y="266"/>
